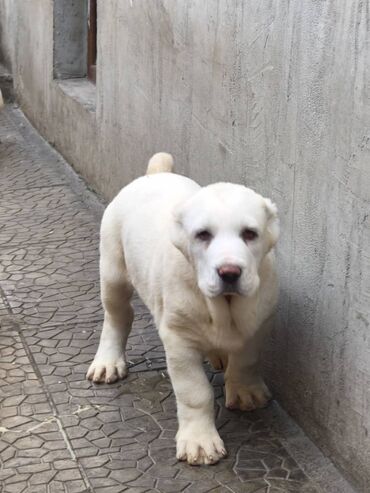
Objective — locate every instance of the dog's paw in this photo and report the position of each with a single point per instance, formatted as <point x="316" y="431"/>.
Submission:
<point x="107" y="370"/>
<point x="217" y="360"/>
<point x="246" y="397"/>
<point x="199" y="447"/>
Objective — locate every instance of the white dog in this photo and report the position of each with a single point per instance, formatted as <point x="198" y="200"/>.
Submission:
<point x="201" y="259"/>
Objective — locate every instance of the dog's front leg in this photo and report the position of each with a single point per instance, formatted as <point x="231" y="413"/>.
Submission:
<point x="197" y="439"/>
<point x="244" y="385"/>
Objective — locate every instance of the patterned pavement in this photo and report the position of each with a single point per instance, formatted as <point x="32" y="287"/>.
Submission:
<point x="58" y="431"/>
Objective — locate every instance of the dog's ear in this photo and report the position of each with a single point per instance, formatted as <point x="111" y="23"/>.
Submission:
<point x="178" y="234"/>
<point x="272" y="227"/>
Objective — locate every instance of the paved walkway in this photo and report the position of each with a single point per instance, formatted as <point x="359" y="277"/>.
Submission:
<point x="61" y="433"/>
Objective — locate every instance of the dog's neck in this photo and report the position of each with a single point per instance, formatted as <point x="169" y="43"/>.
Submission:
<point x="234" y="319"/>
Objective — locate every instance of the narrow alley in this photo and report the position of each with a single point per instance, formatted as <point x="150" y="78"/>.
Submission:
<point x="60" y="432"/>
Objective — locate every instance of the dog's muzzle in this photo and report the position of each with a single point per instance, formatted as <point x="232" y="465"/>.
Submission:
<point x="229" y="275"/>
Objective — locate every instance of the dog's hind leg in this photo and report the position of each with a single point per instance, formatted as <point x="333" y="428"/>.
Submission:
<point x="116" y="290"/>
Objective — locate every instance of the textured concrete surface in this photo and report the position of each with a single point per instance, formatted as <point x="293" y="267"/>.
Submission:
<point x="6" y="84"/>
<point x="7" y="38"/>
<point x="61" y="433"/>
<point x="273" y="94"/>
<point x="70" y="38"/>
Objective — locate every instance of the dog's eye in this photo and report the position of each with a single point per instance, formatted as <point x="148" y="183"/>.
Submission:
<point x="249" y="234"/>
<point x="203" y="235"/>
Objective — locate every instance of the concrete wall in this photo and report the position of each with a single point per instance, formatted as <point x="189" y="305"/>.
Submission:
<point x="7" y="32"/>
<point x="273" y="94"/>
<point x="70" y="45"/>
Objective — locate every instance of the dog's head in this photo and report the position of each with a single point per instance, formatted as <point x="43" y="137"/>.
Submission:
<point x="224" y="231"/>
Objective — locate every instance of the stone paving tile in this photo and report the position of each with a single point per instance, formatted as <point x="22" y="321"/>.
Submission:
<point x="44" y="263"/>
<point x="48" y="223"/>
<point x="59" y="303"/>
<point x="52" y="283"/>
<point x="31" y="438"/>
<point x="39" y="201"/>
<point x="15" y="366"/>
<point x="21" y="167"/>
<point x="60" y="432"/>
<point x="68" y="349"/>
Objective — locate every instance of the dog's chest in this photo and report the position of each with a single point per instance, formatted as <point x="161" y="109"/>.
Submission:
<point x="214" y="324"/>
<point x="226" y="337"/>
<point x="227" y="327"/>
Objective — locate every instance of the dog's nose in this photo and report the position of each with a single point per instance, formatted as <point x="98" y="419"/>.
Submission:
<point x="229" y="273"/>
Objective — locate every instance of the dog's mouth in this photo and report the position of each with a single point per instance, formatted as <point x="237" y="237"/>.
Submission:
<point x="229" y="289"/>
<point x="230" y="292"/>
<point x="226" y="290"/>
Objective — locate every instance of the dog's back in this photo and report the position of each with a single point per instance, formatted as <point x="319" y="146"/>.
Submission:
<point x="148" y="201"/>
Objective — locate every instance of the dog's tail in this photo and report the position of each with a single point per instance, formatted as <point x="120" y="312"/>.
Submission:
<point x="1" y="100"/>
<point x="162" y="162"/>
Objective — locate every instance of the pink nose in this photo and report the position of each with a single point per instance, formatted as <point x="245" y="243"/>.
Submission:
<point x="229" y="273"/>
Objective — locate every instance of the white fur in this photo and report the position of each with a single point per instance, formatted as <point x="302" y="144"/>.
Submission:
<point x="162" y="162"/>
<point x="148" y="241"/>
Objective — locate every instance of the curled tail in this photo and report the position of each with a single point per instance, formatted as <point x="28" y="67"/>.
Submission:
<point x="162" y="162"/>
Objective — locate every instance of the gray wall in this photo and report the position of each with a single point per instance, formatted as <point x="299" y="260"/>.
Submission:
<point x="70" y="45"/>
<point x="273" y="94"/>
<point x="7" y="31"/>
